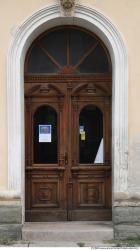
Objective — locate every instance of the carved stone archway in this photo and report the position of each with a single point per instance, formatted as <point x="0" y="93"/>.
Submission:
<point x="34" y="25"/>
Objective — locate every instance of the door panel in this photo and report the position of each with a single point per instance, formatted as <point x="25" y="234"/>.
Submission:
<point x="91" y="162"/>
<point x="45" y="193"/>
<point x="45" y="189"/>
<point x="91" y="193"/>
<point x="91" y="188"/>
<point x="45" y="160"/>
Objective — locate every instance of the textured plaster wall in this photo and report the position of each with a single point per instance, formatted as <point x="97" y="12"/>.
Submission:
<point x="125" y="15"/>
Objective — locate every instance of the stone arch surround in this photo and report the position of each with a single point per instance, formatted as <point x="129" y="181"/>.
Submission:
<point x="43" y="19"/>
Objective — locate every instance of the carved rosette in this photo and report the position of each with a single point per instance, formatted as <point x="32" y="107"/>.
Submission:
<point x="45" y="194"/>
<point x="67" y="7"/>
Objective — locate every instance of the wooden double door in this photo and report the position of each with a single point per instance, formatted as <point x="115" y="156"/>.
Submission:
<point x="68" y="145"/>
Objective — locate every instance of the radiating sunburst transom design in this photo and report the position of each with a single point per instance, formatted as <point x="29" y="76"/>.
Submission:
<point x="67" y="50"/>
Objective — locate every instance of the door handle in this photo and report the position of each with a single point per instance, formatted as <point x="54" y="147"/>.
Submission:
<point x="66" y="158"/>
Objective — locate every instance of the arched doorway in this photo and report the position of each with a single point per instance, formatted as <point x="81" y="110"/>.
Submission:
<point x="68" y="88"/>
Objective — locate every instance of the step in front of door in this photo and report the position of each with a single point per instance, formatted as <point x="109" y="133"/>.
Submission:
<point x="67" y="231"/>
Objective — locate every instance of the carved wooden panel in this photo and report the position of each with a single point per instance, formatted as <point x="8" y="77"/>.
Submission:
<point x="90" y="193"/>
<point x="45" y="193"/>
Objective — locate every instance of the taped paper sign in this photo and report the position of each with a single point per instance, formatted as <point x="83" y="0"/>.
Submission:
<point x="82" y="133"/>
<point x="81" y="129"/>
<point x="45" y="133"/>
<point x="83" y="136"/>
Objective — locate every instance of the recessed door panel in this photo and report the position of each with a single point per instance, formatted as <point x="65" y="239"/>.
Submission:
<point x="45" y="193"/>
<point x="91" y="193"/>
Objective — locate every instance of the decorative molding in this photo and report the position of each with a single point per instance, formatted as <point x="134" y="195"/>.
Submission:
<point x="96" y="22"/>
<point x="68" y="78"/>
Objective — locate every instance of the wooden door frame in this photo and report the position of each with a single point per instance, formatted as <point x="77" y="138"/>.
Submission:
<point x="101" y="98"/>
<point x="21" y="40"/>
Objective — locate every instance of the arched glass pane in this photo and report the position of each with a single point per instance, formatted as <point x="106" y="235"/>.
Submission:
<point x="45" y="135"/>
<point x="80" y="43"/>
<point x="39" y="62"/>
<point x="96" y="62"/>
<point x="56" y="44"/>
<point x="91" y="135"/>
<point x="65" y="48"/>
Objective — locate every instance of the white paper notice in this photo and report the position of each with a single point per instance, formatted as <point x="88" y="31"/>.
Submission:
<point x="45" y="133"/>
<point x="100" y="154"/>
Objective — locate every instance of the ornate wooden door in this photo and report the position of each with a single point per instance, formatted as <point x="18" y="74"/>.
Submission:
<point x="68" y="138"/>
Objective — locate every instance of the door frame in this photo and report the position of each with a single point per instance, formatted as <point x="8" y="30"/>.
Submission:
<point x="71" y="93"/>
<point x="21" y="39"/>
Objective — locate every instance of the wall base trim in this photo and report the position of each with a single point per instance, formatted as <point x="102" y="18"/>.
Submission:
<point x="10" y="214"/>
<point x="126" y="220"/>
<point x="126" y="231"/>
<point x="11" y="231"/>
<point x="9" y="194"/>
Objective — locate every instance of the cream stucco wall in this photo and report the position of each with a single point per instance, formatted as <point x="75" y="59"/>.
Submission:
<point x="124" y="14"/>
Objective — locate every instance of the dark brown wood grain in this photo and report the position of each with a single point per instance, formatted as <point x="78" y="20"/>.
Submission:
<point x="67" y="190"/>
